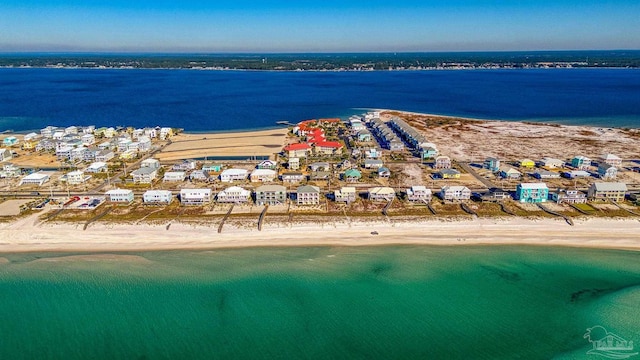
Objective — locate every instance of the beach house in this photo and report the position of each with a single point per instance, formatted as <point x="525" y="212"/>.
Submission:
<point x="381" y="193"/>
<point x="195" y="196"/>
<point x="352" y="175"/>
<point x="268" y="164"/>
<point x="384" y="172"/>
<point x="263" y="175"/>
<point x="551" y="163"/>
<point x="307" y="195"/>
<point x="345" y="194"/>
<point x="119" y="195"/>
<point x="157" y="197"/>
<point x="184" y="165"/>
<point x="545" y="174"/>
<point x="97" y="167"/>
<point x="611" y="159"/>
<point x="448" y="174"/>
<point x="569" y="196"/>
<point x="10" y="141"/>
<point x="144" y="175"/>
<point x="294" y="163"/>
<point x="373" y="163"/>
<point x="607" y="172"/>
<point x="5" y="154"/>
<point x="455" y="193"/>
<point x="614" y="191"/>
<point x="234" y="194"/>
<point x="575" y="174"/>
<point x="327" y="147"/>
<point x="581" y="162"/>
<point x="493" y="164"/>
<point x="199" y="175"/>
<point x="442" y="162"/>
<point x="211" y="167"/>
<point x="271" y="195"/>
<point x="150" y="163"/>
<point x="292" y="177"/>
<point x="510" y="173"/>
<point x="320" y="166"/>
<point x="76" y="177"/>
<point x="174" y="176"/>
<point x="37" y="178"/>
<point x="418" y="193"/>
<point x="532" y="192"/>
<point x="527" y="164"/>
<point x="230" y="175"/>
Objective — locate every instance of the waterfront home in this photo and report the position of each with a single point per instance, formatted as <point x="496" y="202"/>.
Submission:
<point x="119" y="195"/>
<point x="29" y="144"/>
<point x="151" y="133"/>
<point x="271" y="195"/>
<point x="174" y="176"/>
<point x="144" y="175"/>
<point x="581" y="162"/>
<point x="352" y="175"/>
<point x="268" y="164"/>
<point x="607" y="172"/>
<point x="345" y="164"/>
<point x="71" y="130"/>
<point x="157" y="197"/>
<point x="211" y="167"/>
<point x="442" y="162"/>
<point x="150" y="163"/>
<point x="372" y="153"/>
<point x="384" y="172"/>
<point x="381" y="193"/>
<point x="320" y="176"/>
<point x="104" y="155"/>
<point x="544" y="174"/>
<point x="184" y="165"/>
<point x="165" y="133"/>
<point x="97" y="167"/>
<point x="576" y="174"/>
<point x="10" y="141"/>
<point x="507" y="172"/>
<point x="230" y="175"/>
<point x="48" y="131"/>
<point x="496" y="195"/>
<point x="532" y="192"/>
<point x="64" y="152"/>
<point x="614" y="191"/>
<point x="551" y="163"/>
<point x="418" y="193"/>
<point x="455" y="193"/>
<point x="294" y="163"/>
<point x="569" y="196"/>
<point x="76" y="177"/>
<point x="297" y="150"/>
<point x="109" y="132"/>
<point x="263" y="175"/>
<point x="234" y="194"/>
<point x="373" y="163"/>
<point x="5" y="154"/>
<point x="527" y="164"/>
<point x="10" y="171"/>
<point x="345" y="194"/>
<point x="128" y="155"/>
<point x="320" y="166"/>
<point x="611" y="159"/>
<point x="307" y="195"/>
<point x="327" y="147"/>
<point x="195" y="196"/>
<point x="292" y="177"/>
<point x="88" y="139"/>
<point x="448" y="174"/>
<point x="493" y="164"/>
<point x="199" y="175"/>
<point x="58" y="135"/>
<point x="36" y="178"/>
<point x="31" y="136"/>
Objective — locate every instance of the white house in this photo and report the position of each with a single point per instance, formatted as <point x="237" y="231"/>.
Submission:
<point x="195" y="196"/>
<point x="157" y="197"/>
<point x="230" y="175"/>
<point x="144" y="175"/>
<point x="5" y="154"/>
<point x="381" y="193"/>
<point x="308" y="195"/>
<point x="150" y="163"/>
<point x="174" y="176"/>
<point x="418" y="193"/>
<point x="37" y="178"/>
<point x="346" y="194"/>
<point x="76" y="177"/>
<point x="263" y="175"/>
<point x="234" y="194"/>
<point x="97" y="167"/>
<point x="120" y="195"/>
<point x="452" y="193"/>
<point x="88" y="139"/>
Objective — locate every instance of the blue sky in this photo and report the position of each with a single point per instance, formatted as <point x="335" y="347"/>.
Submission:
<point x="317" y="26"/>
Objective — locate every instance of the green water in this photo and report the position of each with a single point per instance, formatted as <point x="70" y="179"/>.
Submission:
<point x="332" y="303"/>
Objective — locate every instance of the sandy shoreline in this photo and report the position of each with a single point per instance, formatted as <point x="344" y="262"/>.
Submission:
<point x="27" y="235"/>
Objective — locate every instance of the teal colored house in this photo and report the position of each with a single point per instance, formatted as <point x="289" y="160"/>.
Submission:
<point x="428" y="153"/>
<point x="212" y="167"/>
<point x="532" y="192"/>
<point x="10" y="141"/>
<point x="492" y="164"/>
<point x="352" y="175"/>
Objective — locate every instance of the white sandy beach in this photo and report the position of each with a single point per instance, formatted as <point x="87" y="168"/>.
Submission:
<point x="28" y="235"/>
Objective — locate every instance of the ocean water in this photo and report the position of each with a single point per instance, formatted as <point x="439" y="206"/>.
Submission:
<point x="464" y="302"/>
<point x="231" y="100"/>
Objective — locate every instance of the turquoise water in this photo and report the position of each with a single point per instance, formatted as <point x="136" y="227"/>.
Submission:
<point x="351" y="303"/>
